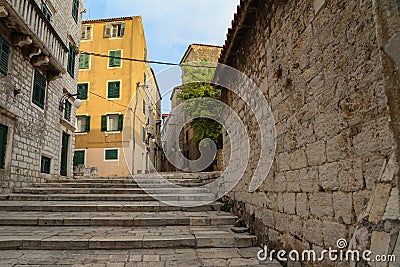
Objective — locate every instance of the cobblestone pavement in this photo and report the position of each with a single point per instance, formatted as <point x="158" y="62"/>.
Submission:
<point x="138" y="258"/>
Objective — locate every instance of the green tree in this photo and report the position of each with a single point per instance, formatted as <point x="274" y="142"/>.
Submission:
<point x="197" y="77"/>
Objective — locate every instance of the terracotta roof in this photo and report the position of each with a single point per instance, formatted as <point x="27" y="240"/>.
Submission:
<point x="108" y="20"/>
<point x="195" y="44"/>
<point x="245" y="11"/>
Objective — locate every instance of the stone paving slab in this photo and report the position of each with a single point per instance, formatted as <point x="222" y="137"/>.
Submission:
<point x="91" y="237"/>
<point x="91" y="206"/>
<point x="136" y="257"/>
<point x="88" y="190"/>
<point x="117" y="218"/>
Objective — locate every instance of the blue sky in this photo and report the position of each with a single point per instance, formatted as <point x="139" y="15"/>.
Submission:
<point x="171" y="25"/>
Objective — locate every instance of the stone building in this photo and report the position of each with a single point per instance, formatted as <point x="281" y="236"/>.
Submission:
<point x="119" y="97"/>
<point x="39" y="43"/>
<point x="330" y="73"/>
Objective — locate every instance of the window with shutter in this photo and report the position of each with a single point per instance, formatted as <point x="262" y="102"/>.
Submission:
<point x="67" y="110"/>
<point x="83" y="91"/>
<point x="86" y="32"/>
<point x="114" y="30"/>
<point x="46" y="11"/>
<point x="84" y="61"/>
<point x="120" y="122"/>
<point x="39" y="89"/>
<point x="82" y="124"/>
<point x="143" y="134"/>
<point x="111" y="154"/>
<point x="45" y="165"/>
<point x="3" y="144"/>
<point x="113" y="90"/>
<point x="5" y="50"/>
<point x="115" y="58"/>
<point x="144" y="107"/>
<point x="107" y="30"/>
<point x="104" y="123"/>
<point x="75" y="9"/>
<point x="71" y="60"/>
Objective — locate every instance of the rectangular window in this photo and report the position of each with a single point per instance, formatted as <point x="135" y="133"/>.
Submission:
<point x="144" y="107"/>
<point x="115" y="58"/>
<point x="67" y="110"/>
<point x="143" y="134"/>
<point x="3" y="144"/>
<point x="79" y="158"/>
<point x="46" y="11"/>
<point x="75" y="9"/>
<point x="111" y="154"/>
<point x="5" y="50"/>
<point x="71" y="60"/>
<point x="39" y="89"/>
<point x="86" y="32"/>
<point x="45" y="165"/>
<point x="83" y="91"/>
<point x="84" y="61"/>
<point x="113" y="30"/>
<point x="82" y="124"/>
<point x="114" y="89"/>
<point x="112" y="123"/>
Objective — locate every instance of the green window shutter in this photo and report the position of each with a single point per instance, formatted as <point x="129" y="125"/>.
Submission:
<point x="115" y="62"/>
<point x="79" y="158"/>
<point x="46" y="12"/>
<point x="45" y="165"/>
<point x="71" y="60"/>
<point x="5" y="50"/>
<point x="114" y="89"/>
<point x="84" y="61"/>
<point x="75" y="9"/>
<point x="111" y="154"/>
<point x="104" y="123"/>
<point x="120" y="122"/>
<point x="123" y="26"/>
<point x="3" y="143"/>
<point x="83" y="90"/>
<point x="144" y="107"/>
<point x="143" y="134"/>
<point x="144" y="78"/>
<point x="39" y="89"/>
<point x="67" y="110"/>
<point x="107" y="30"/>
<point x="87" y="124"/>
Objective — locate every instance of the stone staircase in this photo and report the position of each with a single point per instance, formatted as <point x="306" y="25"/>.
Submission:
<point x="114" y="214"/>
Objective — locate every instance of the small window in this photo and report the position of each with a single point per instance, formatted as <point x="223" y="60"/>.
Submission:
<point x="144" y="78"/>
<point x="5" y="50"/>
<point x="112" y="123"/>
<point x="114" y="89"/>
<point x="84" y="61"/>
<point x="45" y="165"/>
<point x="3" y="144"/>
<point x="39" y="89"/>
<point x="46" y="11"/>
<point x="79" y="158"/>
<point x="113" y="30"/>
<point x="67" y="110"/>
<point x="86" y="32"/>
<point x="111" y="154"/>
<point x="83" y="91"/>
<point x="143" y="134"/>
<point x="115" y="58"/>
<point x="71" y="60"/>
<point x="144" y="107"/>
<point x="82" y="124"/>
<point x="75" y="9"/>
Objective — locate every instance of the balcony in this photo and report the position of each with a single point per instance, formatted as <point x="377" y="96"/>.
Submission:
<point x="34" y="34"/>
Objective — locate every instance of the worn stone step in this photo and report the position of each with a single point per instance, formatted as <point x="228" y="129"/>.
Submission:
<point x="106" y="197"/>
<point x="91" y="237"/>
<point x="91" y="180"/>
<point x="67" y="190"/>
<point x="106" y="206"/>
<point x="131" y="219"/>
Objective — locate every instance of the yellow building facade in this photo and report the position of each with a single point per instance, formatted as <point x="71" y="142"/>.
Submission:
<point x="105" y="138"/>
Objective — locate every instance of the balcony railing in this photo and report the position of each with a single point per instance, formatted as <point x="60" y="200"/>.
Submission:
<point x="26" y="18"/>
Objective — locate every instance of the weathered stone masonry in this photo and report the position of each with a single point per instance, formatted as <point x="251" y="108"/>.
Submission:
<point x="330" y="72"/>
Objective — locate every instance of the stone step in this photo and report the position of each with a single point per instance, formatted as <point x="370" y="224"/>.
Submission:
<point x="68" y="190"/>
<point x="91" y="237"/>
<point x="91" y="180"/>
<point x="127" y="219"/>
<point x="104" y="206"/>
<point x="107" y="197"/>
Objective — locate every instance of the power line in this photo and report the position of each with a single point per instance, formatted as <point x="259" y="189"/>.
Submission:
<point x="146" y="61"/>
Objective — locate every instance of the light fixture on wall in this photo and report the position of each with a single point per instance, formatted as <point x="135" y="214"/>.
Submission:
<point x="77" y="103"/>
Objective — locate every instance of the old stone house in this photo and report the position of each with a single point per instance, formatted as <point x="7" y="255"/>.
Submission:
<point x="330" y="73"/>
<point x="39" y="44"/>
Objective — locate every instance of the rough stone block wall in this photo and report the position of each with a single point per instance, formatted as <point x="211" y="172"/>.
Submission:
<point x="329" y="70"/>
<point x="34" y="132"/>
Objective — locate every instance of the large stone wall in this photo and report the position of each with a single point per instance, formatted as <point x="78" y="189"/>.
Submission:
<point x="329" y="70"/>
